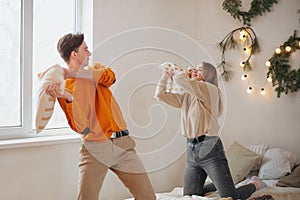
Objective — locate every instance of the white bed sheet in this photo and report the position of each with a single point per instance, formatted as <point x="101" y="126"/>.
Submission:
<point x="278" y="193"/>
<point x="176" y="194"/>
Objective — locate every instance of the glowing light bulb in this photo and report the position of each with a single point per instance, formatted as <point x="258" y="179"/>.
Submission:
<point x="247" y="50"/>
<point x="268" y="63"/>
<point x="243" y="34"/>
<point x="242" y="64"/>
<point x="288" y="48"/>
<point x="249" y="90"/>
<point x="244" y="77"/>
<point x="269" y="78"/>
<point x="299" y="43"/>
<point x="262" y="91"/>
<point x="278" y="50"/>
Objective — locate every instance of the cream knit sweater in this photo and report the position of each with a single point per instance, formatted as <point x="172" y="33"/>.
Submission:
<point x="200" y="104"/>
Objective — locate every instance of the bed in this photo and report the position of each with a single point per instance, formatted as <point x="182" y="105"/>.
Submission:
<point x="268" y="193"/>
<point x="279" y="168"/>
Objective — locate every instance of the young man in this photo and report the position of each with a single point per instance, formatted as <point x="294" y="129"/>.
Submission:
<point x="93" y="112"/>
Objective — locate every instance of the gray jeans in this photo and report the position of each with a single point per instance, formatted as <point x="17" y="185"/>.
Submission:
<point x="207" y="158"/>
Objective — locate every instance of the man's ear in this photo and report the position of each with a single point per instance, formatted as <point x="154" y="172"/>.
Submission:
<point x="73" y="54"/>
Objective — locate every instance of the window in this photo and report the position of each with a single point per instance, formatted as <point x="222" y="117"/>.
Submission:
<point x="10" y="94"/>
<point x="29" y="31"/>
<point x="50" y="22"/>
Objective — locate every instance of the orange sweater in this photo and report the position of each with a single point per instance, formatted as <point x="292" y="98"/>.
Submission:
<point x="94" y="108"/>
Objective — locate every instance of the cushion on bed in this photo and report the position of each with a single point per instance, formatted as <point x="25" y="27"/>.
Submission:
<point x="291" y="180"/>
<point x="259" y="149"/>
<point x="45" y="107"/>
<point x="277" y="162"/>
<point x="240" y="160"/>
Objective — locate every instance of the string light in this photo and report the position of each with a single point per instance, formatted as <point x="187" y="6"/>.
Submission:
<point x="268" y="64"/>
<point x="244" y="77"/>
<point x="269" y="79"/>
<point x="249" y="90"/>
<point x="262" y="91"/>
<point x="278" y="50"/>
<point x="247" y="50"/>
<point x="283" y="49"/>
<point x="288" y="48"/>
<point x="243" y="35"/>
<point x="242" y="64"/>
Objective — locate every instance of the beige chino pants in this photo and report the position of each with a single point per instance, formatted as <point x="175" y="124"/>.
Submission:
<point x="119" y="156"/>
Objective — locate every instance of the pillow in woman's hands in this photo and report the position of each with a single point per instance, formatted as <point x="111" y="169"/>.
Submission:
<point x="172" y="69"/>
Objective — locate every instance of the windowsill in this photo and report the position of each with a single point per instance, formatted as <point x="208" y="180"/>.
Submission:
<point x="39" y="141"/>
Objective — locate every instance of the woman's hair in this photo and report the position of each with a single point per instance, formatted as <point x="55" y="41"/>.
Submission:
<point x="68" y="43"/>
<point x="210" y="73"/>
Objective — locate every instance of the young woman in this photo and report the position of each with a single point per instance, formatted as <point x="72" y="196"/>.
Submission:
<point x="201" y="105"/>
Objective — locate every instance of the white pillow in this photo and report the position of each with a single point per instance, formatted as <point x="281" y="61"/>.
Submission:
<point x="45" y="107"/>
<point x="259" y="149"/>
<point x="276" y="163"/>
<point x="172" y="69"/>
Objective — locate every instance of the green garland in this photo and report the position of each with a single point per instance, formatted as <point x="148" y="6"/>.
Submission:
<point x="258" y="7"/>
<point x="284" y="79"/>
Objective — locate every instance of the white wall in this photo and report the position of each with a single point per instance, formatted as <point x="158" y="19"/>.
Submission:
<point x="39" y="172"/>
<point x="252" y="119"/>
<point x="188" y="31"/>
<point x="184" y="32"/>
<point x="133" y="37"/>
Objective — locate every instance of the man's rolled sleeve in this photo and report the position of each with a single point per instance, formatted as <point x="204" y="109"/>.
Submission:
<point x="104" y="77"/>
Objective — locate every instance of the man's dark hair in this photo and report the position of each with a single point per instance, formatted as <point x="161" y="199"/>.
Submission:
<point x="68" y="43"/>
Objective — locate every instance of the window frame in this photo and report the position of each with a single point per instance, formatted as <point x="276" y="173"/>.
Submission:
<point x="25" y="130"/>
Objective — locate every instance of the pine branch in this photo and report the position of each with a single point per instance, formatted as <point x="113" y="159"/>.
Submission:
<point x="258" y="7"/>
